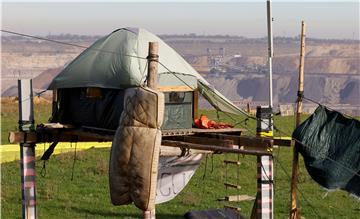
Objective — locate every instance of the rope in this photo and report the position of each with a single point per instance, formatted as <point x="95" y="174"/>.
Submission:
<point x="73" y="166"/>
<point x="43" y="169"/>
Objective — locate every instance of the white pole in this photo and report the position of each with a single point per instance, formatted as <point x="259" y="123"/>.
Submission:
<point x="27" y="150"/>
<point x="270" y="50"/>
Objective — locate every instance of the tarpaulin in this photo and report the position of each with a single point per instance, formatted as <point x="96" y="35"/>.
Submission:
<point x="330" y="145"/>
<point x="118" y="61"/>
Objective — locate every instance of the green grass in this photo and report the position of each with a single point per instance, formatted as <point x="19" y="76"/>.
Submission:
<point x="87" y="195"/>
<point x="10" y="117"/>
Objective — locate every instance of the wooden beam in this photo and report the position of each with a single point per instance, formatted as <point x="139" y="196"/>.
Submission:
<point x="246" y="141"/>
<point x="283" y="142"/>
<point x="22" y="137"/>
<point x="216" y="149"/>
<point x="174" y="88"/>
<point x="57" y="135"/>
<point x="196" y="104"/>
<point x="202" y="140"/>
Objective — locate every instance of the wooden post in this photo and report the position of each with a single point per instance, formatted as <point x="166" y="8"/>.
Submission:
<point x="196" y="104"/>
<point x="27" y="150"/>
<point x="153" y="59"/>
<point x="294" y="211"/>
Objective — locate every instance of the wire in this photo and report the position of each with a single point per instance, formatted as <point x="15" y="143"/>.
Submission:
<point x="68" y="44"/>
<point x="100" y="50"/>
<point x="301" y="193"/>
<point x="318" y="103"/>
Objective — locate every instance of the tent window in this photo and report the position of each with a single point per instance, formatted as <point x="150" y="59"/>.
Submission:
<point x="176" y="97"/>
<point x="93" y="92"/>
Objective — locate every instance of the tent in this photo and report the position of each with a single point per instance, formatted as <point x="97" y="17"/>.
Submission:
<point x="118" y="61"/>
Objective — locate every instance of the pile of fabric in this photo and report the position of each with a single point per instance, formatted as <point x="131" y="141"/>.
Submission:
<point x="204" y="123"/>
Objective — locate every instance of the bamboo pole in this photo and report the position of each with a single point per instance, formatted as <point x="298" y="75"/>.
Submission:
<point x="153" y="59"/>
<point x="294" y="211"/>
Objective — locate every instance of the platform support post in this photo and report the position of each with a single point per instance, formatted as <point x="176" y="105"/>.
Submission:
<point x="152" y="78"/>
<point x="27" y="150"/>
<point x="153" y="59"/>
<point x="295" y="211"/>
<point x="264" y="204"/>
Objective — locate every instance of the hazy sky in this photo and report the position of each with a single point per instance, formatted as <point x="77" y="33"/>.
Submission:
<point x="325" y="19"/>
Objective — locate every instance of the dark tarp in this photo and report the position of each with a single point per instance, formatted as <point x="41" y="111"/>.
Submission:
<point x="75" y="108"/>
<point x="330" y="145"/>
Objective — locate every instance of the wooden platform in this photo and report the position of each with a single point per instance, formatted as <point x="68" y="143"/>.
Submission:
<point x="233" y="131"/>
<point x="214" y="140"/>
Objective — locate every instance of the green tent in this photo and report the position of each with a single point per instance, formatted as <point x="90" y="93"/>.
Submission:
<point x="118" y="61"/>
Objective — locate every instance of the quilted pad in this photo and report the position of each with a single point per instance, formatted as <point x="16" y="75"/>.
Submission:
<point x="135" y="149"/>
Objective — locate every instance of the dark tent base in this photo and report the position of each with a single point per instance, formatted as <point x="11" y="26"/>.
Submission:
<point x="102" y="108"/>
<point x="79" y="107"/>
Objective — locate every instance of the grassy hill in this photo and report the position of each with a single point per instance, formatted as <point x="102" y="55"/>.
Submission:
<point x="87" y="195"/>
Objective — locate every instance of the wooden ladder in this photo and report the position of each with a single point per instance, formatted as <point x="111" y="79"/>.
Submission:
<point x="229" y="185"/>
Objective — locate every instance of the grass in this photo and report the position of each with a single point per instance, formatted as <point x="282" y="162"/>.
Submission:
<point x="10" y="117"/>
<point x="87" y="195"/>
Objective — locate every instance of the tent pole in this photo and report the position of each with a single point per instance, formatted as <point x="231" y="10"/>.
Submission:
<point x="294" y="211"/>
<point x="153" y="59"/>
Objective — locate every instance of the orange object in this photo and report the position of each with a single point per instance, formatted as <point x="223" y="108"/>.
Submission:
<point x="205" y="123"/>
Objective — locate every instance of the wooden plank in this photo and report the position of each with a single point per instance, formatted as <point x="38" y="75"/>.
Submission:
<point x="232" y="185"/>
<point x="232" y="162"/>
<point x="216" y="149"/>
<point x="192" y="131"/>
<point x="239" y="198"/>
<point x="56" y="126"/>
<point x="232" y="207"/>
<point x="174" y="88"/>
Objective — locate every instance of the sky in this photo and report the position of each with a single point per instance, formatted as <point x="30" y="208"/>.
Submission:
<point x="325" y="19"/>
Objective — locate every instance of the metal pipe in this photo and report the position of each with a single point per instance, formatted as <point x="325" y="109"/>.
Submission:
<point x="270" y="50"/>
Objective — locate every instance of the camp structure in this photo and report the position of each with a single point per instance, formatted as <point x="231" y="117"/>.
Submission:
<point x="93" y="92"/>
<point x="104" y="94"/>
<point x="90" y="90"/>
